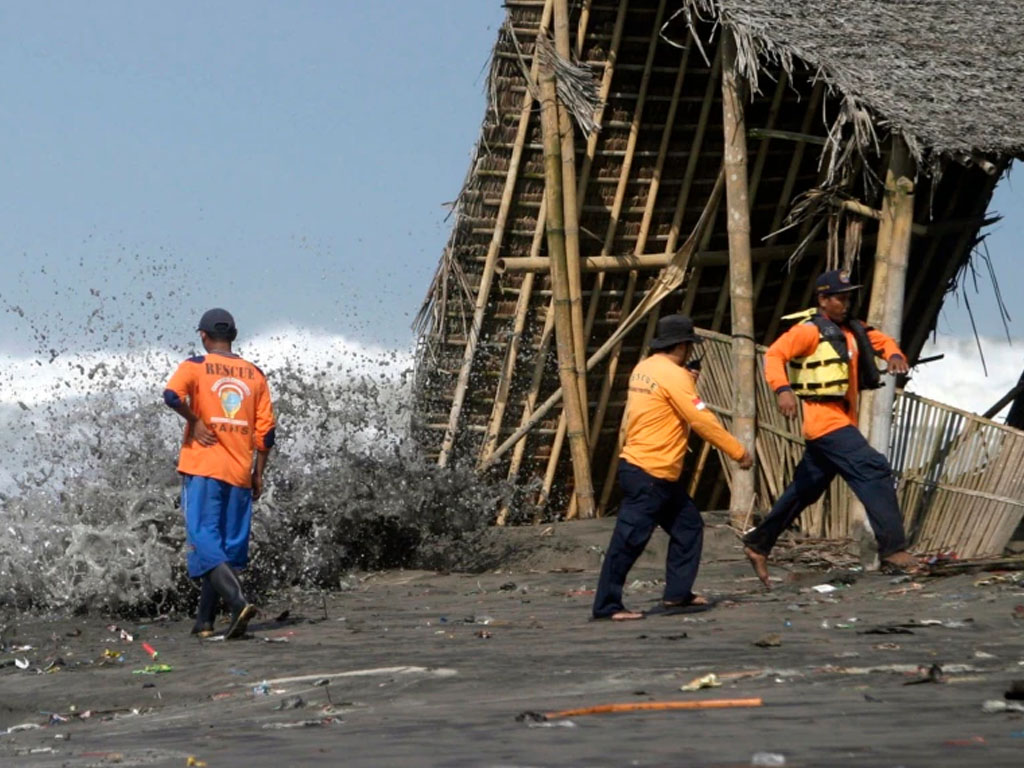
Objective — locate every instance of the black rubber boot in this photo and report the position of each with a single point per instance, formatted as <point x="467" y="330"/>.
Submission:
<point x="227" y="585"/>
<point x="209" y="605"/>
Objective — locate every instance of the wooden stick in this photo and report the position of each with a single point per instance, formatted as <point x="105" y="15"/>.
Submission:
<point x="484" y="289"/>
<point x="656" y="706"/>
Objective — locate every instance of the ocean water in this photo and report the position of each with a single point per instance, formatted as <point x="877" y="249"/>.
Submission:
<point x="89" y="516"/>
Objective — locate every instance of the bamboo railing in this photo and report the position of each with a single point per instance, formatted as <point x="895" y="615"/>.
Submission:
<point x="959" y="478"/>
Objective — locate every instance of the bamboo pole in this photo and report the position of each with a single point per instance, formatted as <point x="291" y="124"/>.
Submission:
<point x="740" y="274"/>
<point x="620" y="193"/>
<point x="571" y="212"/>
<point x="484" y="289"/>
<point x="538" y="373"/>
<point x="573" y="407"/>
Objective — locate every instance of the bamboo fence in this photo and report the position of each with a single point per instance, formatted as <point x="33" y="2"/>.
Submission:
<point x="959" y="478"/>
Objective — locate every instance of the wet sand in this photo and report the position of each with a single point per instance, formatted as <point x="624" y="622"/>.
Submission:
<point x="432" y="669"/>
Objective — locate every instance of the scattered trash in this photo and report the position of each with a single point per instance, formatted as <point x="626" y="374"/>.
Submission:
<point x="153" y="653"/>
<point x="263" y="689"/>
<point x="984" y="655"/>
<point x="768" y="760"/>
<point x="109" y="654"/>
<point x="153" y="669"/>
<point x="484" y="634"/>
<point x="239" y="672"/>
<point x="508" y="586"/>
<point x="640" y="706"/>
<point x="771" y="640"/>
<point x="194" y="762"/>
<point x="932" y="674"/>
<point x="275" y="639"/>
<point x="551" y="724"/>
<point x="886" y="646"/>
<point x="292" y="702"/>
<point x="1016" y="691"/>
<point x="886" y="630"/>
<point x="824" y="589"/>
<point x="23" y="727"/>
<point x="707" y="681"/>
<point x="998" y="705"/>
<point x="304" y="723"/>
<point x="904" y="579"/>
<point x="21" y="663"/>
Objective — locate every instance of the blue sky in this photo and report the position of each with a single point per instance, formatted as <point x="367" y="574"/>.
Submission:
<point x="287" y="160"/>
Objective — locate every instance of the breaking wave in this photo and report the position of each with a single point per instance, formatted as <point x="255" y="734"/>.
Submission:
<point x="89" y="493"/>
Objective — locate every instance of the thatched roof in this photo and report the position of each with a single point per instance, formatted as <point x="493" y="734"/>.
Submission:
<point x="948" y="74"/>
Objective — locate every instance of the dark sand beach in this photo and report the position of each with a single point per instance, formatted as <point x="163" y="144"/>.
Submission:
<point x="429" y="669"/>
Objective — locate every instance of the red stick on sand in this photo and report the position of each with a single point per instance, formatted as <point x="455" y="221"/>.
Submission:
<point x="153" y="653"/>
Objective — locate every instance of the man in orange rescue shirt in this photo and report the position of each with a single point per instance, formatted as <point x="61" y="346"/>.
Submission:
<point x="226" y="404"/>
<point x="834" y="444"/>
<point x="662" y="407"/>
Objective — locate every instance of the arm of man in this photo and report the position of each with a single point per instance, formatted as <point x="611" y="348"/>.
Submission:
<point x="695" y="413"/>
<point x="897" y="361"/>
<point x="799" y="341"/>
<point x="265" y="429"/>
<point x="175" y="396"/>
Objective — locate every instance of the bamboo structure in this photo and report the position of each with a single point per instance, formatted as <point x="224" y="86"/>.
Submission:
<point x="740" y="275"/>
<point x="828" y="90"/>
<point x="574" y="406"/>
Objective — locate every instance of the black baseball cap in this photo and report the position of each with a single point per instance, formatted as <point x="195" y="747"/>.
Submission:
<point x="834" y="281"/>
<point x="216" y="321"/>
<point x="675" y="329"/>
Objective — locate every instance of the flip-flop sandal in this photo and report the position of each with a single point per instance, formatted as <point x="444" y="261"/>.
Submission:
<point x="677" y="609"/>
<point x="635" y="616"/>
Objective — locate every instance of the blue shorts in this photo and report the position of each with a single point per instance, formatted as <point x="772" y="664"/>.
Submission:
<point x="218" y="517"/>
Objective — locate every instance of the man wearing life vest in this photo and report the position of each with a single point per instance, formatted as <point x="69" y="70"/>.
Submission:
<point x="825" y="362"/>
<point x="661" y="408"/>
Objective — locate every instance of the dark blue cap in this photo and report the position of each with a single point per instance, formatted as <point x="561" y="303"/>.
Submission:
<point x="834" y="281"/>
<point x="217" y="321"/>
<point x="674" y="329"/>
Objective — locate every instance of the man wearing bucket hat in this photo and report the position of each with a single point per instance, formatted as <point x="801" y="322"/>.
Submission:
<point x="661" y="409"/>
<point x="825" y="361"/>
<point x="226" y="404"/>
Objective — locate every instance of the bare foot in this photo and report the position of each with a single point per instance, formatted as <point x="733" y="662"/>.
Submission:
<point x="626" y="616"/>
<point x="905" y="562"/>
<point x="695" y="600"/>
<point x="760" y="565"/>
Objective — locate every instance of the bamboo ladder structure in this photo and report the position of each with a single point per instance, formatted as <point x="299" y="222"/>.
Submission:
<point x="484" y="289"/>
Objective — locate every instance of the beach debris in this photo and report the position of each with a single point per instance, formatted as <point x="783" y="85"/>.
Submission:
<point x="283" y="616"/>
<point x="1016" y="691"/>
<point x="153" y="652"/>
<point x="886" y="629"/>
<point x="932" y="674"/>
<point x="767" y="760"/>
<point x="311" y="723"/>
<point x="984" y="655"/>
<point x="292" y="702"/>
<point x="640" y="706"/>
<point x="21" y="663"/>
<point x="824" y="589"/>
<point x="483" y="634"/>
<point x="844" y="580"/>
<point x="886" y="646"/>
<point x="194" y="762"/>
<point x="109" y="654"/>
<point x="278" y="639"/>
<point x="707" y="681"/>
<point x="998" y="705"/>
<point x="23" y="727"/>
<point x="508" y="586"/>
<point x="263" y="689"/>
<point x="551" y="724"/>
<point x="771" y="640"/>
<point x="237" y="671"/>
<point x="153" y="669"/>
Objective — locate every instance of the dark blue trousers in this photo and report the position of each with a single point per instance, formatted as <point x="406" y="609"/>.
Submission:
<point x="844" y="452"/>
<point x="648" y="501"/>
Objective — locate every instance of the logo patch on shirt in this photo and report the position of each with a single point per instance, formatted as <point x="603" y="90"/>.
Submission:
<point x="699" y="404"/>
<point x="231" y="393"/>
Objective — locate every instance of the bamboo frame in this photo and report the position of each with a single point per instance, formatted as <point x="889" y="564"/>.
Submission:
<point x="484" y="289"/>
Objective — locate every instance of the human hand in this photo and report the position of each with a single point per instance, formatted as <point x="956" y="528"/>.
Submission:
<point x="788" y="404"/>
<point x="746" y="460"/>
<point x="897" y="364"/>
<point x="203" y="433"/>
<point x="257" y="485"/>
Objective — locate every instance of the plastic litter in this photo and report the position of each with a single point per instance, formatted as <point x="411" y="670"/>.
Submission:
<point x="23" y="727"/>
<point x="824" y="589"/>
<point x="768" y="760"/>
<point x="21" y="663"/>
<point x="304" y="723"/>
<point x="153" y="669"/>
<point x="263" y="689"/>
<point x="707" y="681"/>
<point x="194" y="762"/>
<point x="153" y="652"/>
<point x="998" y="705"/>
<point x="551" y="724"/>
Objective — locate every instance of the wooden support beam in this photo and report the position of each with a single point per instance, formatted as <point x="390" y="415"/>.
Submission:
<point x="484" y="289"/>
<point x="573" y="406"/>
<point x="803" y="138"/>
<point x="740" y="275"/>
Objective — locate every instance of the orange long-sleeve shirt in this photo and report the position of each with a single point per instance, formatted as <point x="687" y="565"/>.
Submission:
<point x="801" y="340"/>
<point x="662" y="407"/>
<point x="231" y="396"/>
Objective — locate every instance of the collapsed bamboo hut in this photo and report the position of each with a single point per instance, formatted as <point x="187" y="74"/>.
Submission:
<point x="875" y="134"/>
